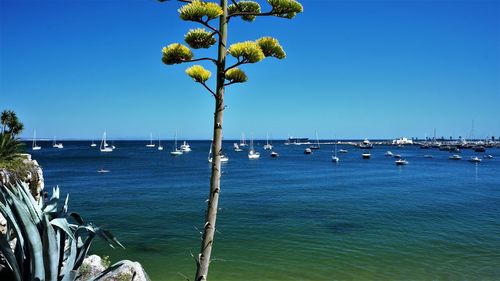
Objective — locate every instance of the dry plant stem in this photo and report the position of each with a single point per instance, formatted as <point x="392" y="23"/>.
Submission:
<point x="213" y="199"/>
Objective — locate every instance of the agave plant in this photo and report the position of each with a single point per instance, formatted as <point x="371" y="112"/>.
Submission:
<point x="50" y="242"/>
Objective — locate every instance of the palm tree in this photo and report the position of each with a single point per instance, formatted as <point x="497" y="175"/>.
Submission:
<point x="10" y="123"/>
<point x="5" y="118"/>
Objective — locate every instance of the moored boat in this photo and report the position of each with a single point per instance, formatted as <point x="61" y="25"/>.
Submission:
<point x="366" y="155"/>
<point x="401" y="162"/>
<point x="455" y="157"/>
<point x="185" y="147"/>
<point x="475" y="159"/>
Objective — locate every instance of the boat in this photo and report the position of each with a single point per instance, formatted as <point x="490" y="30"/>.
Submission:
<point x="366" y="155"/>
<point x="317" y="142"/>
<point x="307" y="150"/>
<point x="274" y="154"/>
<point x="479" y="148"/>
<point x="366" y="144"/>
<point x="397" y="156"/>
<point x="93" y="144"/>
<point x="34" y="146"/>
<point x="428" y="156"/>
<point x="334" y="157"/>
<point x="185" y="147"/>
<point x="343" y="150"/>
<point x="159" y="143"/>
<point x="57" y="145"/>
<point x="223" y="158"/>
<point x="401" y="162"/>
<point x="102" y="171"/>
<point x="298" y="141"/>
<point x="237" y="147"/>
<point x="151" y="144"/>
<point x="268" y="146"/>
<point x="488" y="156"/>
<point x="104" y="145"/>
<point x="455" y="157"/>
<point x="388" y="153"/>
<point x="475" y="159"/>
<point x="252" y="154"/>
<point x="175" y="151"/>
<point x="425" y="146"/>
<point x="243" y="142"/>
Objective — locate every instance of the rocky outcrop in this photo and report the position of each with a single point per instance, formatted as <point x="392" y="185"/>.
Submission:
<point x="128" y="271"/>
<point x="31" y="173"/>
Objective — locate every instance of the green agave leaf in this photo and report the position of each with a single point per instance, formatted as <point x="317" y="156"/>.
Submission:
<point x="77" y="218"/>
<point x="33" y="240"/>
<point x="110" y="236"/>
<point x="83" y="250"/>
<point x="51" y="205"/>
<point x="65" y="206"/>
<point x="9" y="216"/>
<point x="67" y="274"/>
<point x="62" y="223"/>
<point x="9" y="256"/>
<point x="112" y="268"/>
<point x="31" y="204"/>
<point x="50" y="250"/>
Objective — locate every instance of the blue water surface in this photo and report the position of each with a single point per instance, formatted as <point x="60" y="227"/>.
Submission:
<point x="295" y="217"/>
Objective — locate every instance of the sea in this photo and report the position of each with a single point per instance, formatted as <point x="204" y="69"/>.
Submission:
<point x="294" y="217"/>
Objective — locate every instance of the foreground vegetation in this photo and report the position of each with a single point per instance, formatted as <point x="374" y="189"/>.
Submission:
<point x="43" y="240"/>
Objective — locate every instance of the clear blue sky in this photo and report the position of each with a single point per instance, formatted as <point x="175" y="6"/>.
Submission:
<point x="355" y="69"/>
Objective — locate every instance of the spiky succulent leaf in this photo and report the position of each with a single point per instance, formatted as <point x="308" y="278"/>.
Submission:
<point x="248" y="50"/>
<point x="246" y="7"/>
<point x="198" y="73"/>
<point x="176" y="53"/>
<point x="198" y="10"/>
<point x="236" y="75"/>
<point x="199" y="38"/>
<point x="286" y="8"/>
<point x="271" y="47"/>
<point x="46" y="244"/>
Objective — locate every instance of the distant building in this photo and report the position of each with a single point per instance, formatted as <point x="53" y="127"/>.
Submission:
<point x="402" y="141"/>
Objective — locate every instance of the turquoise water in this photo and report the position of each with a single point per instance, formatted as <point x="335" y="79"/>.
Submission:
<point x="297" y="217"/>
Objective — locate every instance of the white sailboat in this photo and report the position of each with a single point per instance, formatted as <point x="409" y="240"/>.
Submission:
<point x="159" y="143"/>
<point x="223" y="158"/>
<point x="237" y="148"/>
<point x="268" y="146"/>
<point x="57" y="145"/>
<point x="151" y="144"/>
<point x="243" y="143"/>
<point x="317" y="142"/>
<point x="104" y="145"/>
<point x="252" y="154"/>
<point x="334" y="157"/>
<point x="185" y="147"/>
<point x="93" y="144"/>
<point x="175" y="151"/>
<point x="34" y="146"/>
